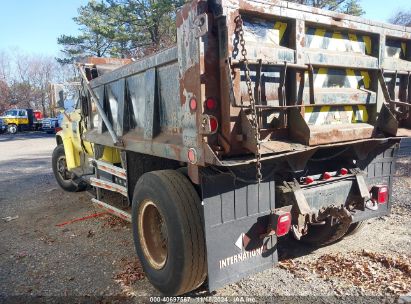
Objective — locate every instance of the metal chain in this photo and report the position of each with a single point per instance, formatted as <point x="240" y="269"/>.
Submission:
<point x="254" y="117"/>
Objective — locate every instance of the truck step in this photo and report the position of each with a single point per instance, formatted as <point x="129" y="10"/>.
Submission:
<point x="113" y="210"/>
<point x="100" y="183"/>
<point x="109" y="168"/>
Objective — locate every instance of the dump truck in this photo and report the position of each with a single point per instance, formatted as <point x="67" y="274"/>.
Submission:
<point x="22" y="120"/>
<point x="266" y="119"/>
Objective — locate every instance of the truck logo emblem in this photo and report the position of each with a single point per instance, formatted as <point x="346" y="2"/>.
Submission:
<point x="241" y="257"/>
<point x="242" y="241"/>
<point x="239" y="242"/>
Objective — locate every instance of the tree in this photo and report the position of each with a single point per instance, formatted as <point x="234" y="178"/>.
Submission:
<point x="5" y="67"/>
<point x="351" y="7"/>
<point x="401" y="18"/>
<point x="149" y="25"/>
<point x="4" y="76"/>
<point x="97" y="34"/>
<point x="4" y="95"/>
<point x="121" y="28"/>
<point x="24" y="80"/>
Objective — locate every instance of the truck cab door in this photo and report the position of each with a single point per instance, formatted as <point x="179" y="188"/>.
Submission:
<point x="77" y="127"/>
<point x="23" y="119"/>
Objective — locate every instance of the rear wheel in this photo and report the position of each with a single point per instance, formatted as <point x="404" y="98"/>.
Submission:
<point x="321" y="235"/>
<point x="61" y="173"/>
<point x="168" y="231"/>
<point x="12" y="129"/>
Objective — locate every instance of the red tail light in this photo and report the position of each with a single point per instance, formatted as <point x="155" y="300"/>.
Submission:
<point x="283" y="223"/>
<point x="209" y="124"/>
<point x="57" y="129"/>
<point x="379" y="194"/>
<point x="308" y="180"/>
<point x="213" y="124"/>
<point x="211" y="104"/>
<point x="326" y="175"/>
<point x="343" y="171"/>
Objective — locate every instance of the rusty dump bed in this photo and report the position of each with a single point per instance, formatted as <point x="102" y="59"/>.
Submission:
<point x="317" y="79"/>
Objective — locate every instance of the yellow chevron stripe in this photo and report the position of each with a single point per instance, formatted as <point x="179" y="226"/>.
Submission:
<point x="362" y="113"/>
<point x="366" y="78"/>
<point x="320" y="32"/>
<point x="317" y="38"/>
<point x="354" y="43"/>
<point x="352" y="37"/>
<point x="337" y="42"/>
<point x="404" y="48"/>
<point x="281" y="27"/>
<point x="330" y="115"/>
<point x="368" y="45"/>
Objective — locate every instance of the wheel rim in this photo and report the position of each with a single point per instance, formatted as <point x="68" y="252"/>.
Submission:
<point x="153" y="234"/>
<point x="12" y="129"/>
<point x="62" y="168"/>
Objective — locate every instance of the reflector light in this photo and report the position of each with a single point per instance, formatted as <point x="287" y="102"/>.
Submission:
<point x="211" y="104"/>
<point x="192" y="155"/>
<point x="308" y="180"/>
<point x="283" y="224"/>
<point x="379" y="194"/>
<point x="193" y="104"/>
<point x="213" y="124"/>
<point x="343" y="171"/>
<point x="326" y="175"/>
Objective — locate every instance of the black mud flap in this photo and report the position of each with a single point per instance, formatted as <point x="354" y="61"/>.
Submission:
<point x="236" y="217"/>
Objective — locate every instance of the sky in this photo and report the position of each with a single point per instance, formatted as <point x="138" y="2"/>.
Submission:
<point x="32" y="26"/>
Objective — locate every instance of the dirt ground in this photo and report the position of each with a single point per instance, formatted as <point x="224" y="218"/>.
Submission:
<point x="43" y="255"/>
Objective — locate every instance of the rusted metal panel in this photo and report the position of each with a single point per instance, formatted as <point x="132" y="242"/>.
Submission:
<point x="301" y="60"/>
<point x="150" y="102"/>
<point x="162" y="58"/>
<point x="137" y="98"/>
<point x="337" y="59"/>
<point x="101" y="60"/>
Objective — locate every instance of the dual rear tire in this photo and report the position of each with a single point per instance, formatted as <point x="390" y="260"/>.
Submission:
<point x="327" y="233"/>
<point x="168" y="231"/>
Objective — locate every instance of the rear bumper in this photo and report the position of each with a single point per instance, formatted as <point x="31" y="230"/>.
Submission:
<point x="236" y="212"/>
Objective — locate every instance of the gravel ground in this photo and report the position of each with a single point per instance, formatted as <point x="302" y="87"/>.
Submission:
<point x="95" y="257"/>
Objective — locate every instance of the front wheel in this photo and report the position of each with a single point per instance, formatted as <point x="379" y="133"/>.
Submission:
<point x="12" y="129"/>
<point x="168" y="232"/>
<point x="61" y="173"/>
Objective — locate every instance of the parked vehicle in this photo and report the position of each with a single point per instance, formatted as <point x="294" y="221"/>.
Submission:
<point x="22" y="120"/>
<point x="49" y="125"/>
<point x="264" y="118"/>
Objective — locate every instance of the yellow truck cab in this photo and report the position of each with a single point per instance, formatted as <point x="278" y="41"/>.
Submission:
<point x="70" y="157"/>
<point x="22" y="120"/>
